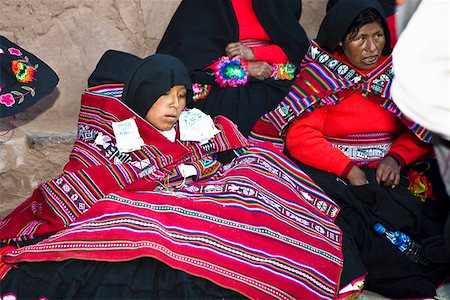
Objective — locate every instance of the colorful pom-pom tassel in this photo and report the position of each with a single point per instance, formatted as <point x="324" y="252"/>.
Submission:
<point x="200" y="91"/>
<point x="419" y="185"/>
<point x="283" y="71"/>
<point x="231" y="72"/>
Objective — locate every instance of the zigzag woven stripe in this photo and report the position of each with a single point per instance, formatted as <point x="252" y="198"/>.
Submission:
<point x="297" y="178"/>
<point x="113" y="90"/>
<point x="236" y="189"/>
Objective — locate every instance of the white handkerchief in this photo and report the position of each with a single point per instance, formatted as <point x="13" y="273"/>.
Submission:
<point x="196" y="126"/>
<point x="187" y="170"/>
<point x="127" y="135"/>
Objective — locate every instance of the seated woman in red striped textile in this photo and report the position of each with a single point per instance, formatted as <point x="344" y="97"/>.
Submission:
<point x="129" y="225"/>
<point x="341" y="126"/>
<point x="103" y="160"/>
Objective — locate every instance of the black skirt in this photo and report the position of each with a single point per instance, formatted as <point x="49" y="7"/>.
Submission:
<point x="143" y="278"/>
<point x="389" y="271"/>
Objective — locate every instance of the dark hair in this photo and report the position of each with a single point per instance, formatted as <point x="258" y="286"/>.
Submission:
<point x="369" y="15"/>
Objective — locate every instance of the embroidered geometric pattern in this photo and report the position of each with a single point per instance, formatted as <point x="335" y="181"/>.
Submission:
<point x="364" y="148"/>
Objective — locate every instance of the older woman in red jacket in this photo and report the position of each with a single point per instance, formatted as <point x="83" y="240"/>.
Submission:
<point x="342" y="127"/>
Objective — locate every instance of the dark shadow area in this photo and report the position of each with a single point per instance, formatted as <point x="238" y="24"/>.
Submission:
<point x="41" y="106"/>
<point x="31" y="113"/>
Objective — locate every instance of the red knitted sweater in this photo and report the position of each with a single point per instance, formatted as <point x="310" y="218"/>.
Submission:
<point x="306" y="141"/>
<point x="251" y="28"/>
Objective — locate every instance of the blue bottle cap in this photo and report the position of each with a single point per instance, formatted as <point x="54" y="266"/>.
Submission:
<point x="379" y="228"/>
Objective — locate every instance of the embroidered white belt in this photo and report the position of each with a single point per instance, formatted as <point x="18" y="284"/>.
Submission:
<point x="364" y="148"/>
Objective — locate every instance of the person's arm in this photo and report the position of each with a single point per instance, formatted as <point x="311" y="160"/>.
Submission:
<point x="306" y="143"/>
<point x="408" y="148"/>
<point x="256" y="68"/>
<point x="271" y="54"/>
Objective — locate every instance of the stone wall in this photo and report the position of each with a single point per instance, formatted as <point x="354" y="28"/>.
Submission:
<point x="71" y="36"/>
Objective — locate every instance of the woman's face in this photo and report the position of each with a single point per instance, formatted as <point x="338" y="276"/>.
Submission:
<point x="166" y="111"/>
<point x="365" y="48"/>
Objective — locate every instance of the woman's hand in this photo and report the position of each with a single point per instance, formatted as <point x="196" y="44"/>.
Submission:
<point x="356" y="176"/>
<point x="388" y="171"/>
<point x="241" y="51"/>
<point x="259" y="69"/>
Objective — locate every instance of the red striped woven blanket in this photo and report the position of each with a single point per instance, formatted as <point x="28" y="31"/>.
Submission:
<point x="259" y="226"/>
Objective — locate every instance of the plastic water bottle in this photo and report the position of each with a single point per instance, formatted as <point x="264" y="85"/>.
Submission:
<point x="403" y="242"/>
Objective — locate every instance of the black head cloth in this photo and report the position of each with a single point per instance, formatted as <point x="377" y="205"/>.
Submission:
<point x="152" y="78"/>
<point x="339" y="18"/>
<point x="113" y="67"/>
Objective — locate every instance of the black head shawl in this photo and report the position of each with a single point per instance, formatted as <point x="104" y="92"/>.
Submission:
<point x="200" y="29"/>
<point x="113" y="67"/>
<point x="339" y="18"/>
<point x="152" y="78"/>
<point x="388" y="6"/>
